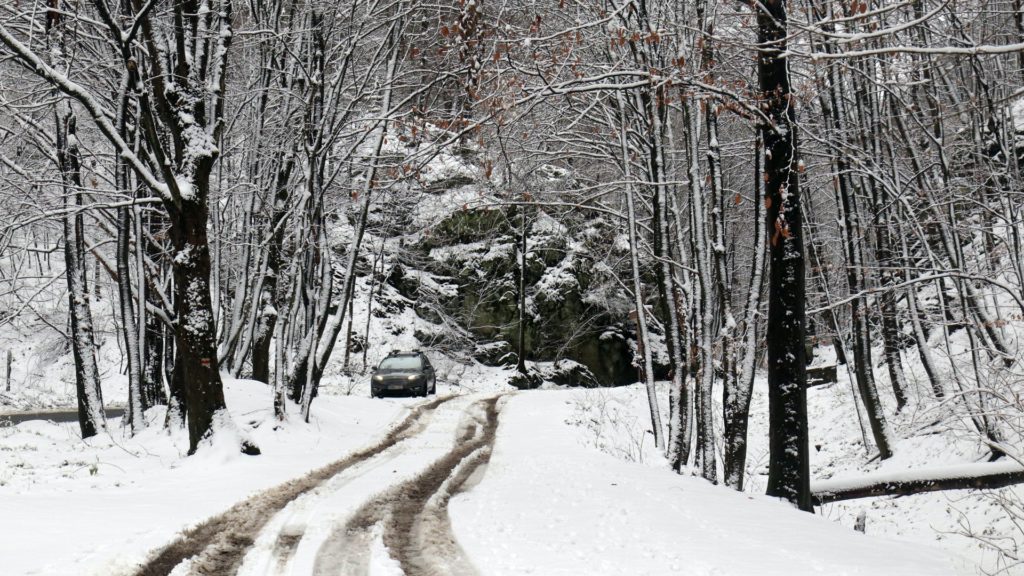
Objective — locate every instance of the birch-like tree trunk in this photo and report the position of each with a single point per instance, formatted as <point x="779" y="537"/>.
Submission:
<point x="740" y="380"/>
<point x="91" y="419"/>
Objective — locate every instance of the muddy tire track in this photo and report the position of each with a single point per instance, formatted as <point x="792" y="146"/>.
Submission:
<point x="413" y="516"/>
<point x="217" y="546"/>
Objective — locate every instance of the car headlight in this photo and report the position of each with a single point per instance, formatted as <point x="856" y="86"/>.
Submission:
<point x="413" y="377"/>
<point x="378" y="378"/>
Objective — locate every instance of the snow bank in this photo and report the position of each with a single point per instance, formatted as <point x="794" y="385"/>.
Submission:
<point x="548" y="504"/>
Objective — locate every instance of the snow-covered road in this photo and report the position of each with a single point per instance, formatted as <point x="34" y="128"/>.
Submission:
<point x="547" y="504"/>
<point x="388" y="509"/>
<point x="474" y="484"/>
<point x="285" y="529"/>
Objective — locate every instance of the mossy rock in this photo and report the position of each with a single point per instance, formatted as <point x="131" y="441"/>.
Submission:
<point x="528" y="381"/>
<point x="449" y="183"/>
<point x="406" y="284"/>
<point x="498" y="353"/>
<point x="467" y="226"/>
<point x="570" y="373"/>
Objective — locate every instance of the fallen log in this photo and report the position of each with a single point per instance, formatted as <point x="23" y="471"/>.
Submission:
<point x="988" y="475"/>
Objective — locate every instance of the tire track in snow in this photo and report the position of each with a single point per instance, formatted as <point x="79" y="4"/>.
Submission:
<point x="216" y="546"/>
<point x="290" y="528"/>
<point x="413" y="516"/>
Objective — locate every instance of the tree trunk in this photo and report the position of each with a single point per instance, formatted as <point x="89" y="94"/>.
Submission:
<point x="129" y="326"/>
<point x="643" y="336"/>
<point x="702" y="334"/>
<point x="680" y="407"/>
<point x="789" y="464"/>
<point x="521" y="305"/>
<point x="871" y="132"/>
<point x="962" y="477"/>
<point x="91" y="418"/>
<point x="196" y="338"/>
<point x="836" y="117"/>
<point x="156" y="331"/>
<point x="738" y="389"/>
<point x="270" y="299"/>
<point x="323" y="346"/>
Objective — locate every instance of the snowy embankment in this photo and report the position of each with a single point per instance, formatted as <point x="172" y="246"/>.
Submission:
<point x="98" y="507"/>
<point x="551" y="503"/>
<point x="933" y="439"/>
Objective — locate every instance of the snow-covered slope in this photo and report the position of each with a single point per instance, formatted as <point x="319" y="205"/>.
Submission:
<point x="929" y="435"/>
<point x="551" y="504"/>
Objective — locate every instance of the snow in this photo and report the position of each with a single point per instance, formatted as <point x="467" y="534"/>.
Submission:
<point x="184" y="185"/>
<point x="557" y="280"/>
<point x="434" y="208"/>
<point x="1017" y="114"/>
<point x="574" y="484"/>
<point x="927" y="442"/>
<point x="319" y="514"/>
<point x="472" y="252"/>
<point x="42" y="367"/>
<point x="109" y="500"/>
<point x="549" y="504"/>
<point x="543" y="224"/>
<point x="918" y="474"/>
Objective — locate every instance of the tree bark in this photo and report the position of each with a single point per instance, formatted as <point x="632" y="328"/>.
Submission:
<point x="196" y="339"/>
<point x="920" y="482"/>
<point x="789" y="463"/>
<point x="738" y="389"/>
<point x="91" y="419"/>
<point x="270" y="298"/>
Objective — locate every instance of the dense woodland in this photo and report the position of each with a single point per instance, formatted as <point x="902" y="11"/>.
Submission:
<point x="692" y="191"/>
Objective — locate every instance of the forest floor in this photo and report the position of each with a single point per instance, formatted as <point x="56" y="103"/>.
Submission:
<point x="484" y="482"/>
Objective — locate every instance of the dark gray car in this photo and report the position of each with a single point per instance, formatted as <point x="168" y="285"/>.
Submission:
<point x="403" y="372"/>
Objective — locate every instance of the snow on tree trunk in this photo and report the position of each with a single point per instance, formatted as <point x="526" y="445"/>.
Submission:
<point x="789" y="462"/>
<point x="681" y="425"/>
<point x="129" y="324"/>
<point x="91" y="418"/>
<point x="643" y="343"/>
<point x="196" y="341"/>
<point x="270" y="299"/>
<point x="703" y="334"/>
<point x="739" y="386"/>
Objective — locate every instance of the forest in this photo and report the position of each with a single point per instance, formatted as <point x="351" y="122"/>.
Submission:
<point x="694" y="197"/>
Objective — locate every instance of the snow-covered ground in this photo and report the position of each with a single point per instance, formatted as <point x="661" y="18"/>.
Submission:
<point x="970" y="523"/>
<point x="42" y="366"/>
<point x="616" y="422"/>
<point x="97" y="507"/>
<point x="573" y="486"/>
<point x="574" y="475"/>
<point x="551" y="503"/>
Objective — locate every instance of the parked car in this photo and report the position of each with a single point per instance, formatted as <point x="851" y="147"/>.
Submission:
<point x="403" y="372"/>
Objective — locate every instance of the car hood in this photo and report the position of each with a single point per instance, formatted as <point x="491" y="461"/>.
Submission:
<point x="402" y="373"/>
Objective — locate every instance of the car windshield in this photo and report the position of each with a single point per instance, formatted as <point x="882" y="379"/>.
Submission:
<point x="401" y="363"/>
